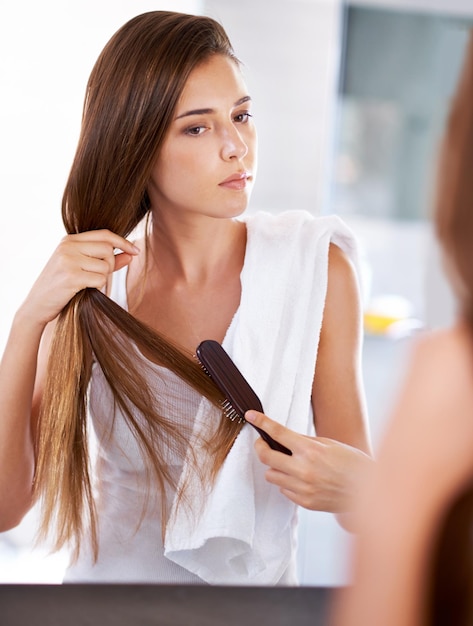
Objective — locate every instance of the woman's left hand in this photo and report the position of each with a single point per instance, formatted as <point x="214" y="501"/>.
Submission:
<point x="322" y="474"/>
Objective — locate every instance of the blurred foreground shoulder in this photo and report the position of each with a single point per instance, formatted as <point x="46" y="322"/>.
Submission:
<point x="445" y="355"/>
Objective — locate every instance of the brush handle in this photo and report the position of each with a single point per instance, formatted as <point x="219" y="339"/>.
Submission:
<point x="231" y="382"/>
<point x="272" y="443"/>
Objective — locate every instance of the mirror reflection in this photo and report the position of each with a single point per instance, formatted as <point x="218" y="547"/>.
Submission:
<point x="356" y="151"/>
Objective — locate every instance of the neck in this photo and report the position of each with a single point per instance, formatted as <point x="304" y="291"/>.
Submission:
<point x="193" y="251"/>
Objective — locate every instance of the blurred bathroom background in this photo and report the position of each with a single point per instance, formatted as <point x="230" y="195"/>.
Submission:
<point x="350" y="101"/>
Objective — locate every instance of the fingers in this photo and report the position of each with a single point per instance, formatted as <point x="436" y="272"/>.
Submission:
<point x="263" y="421"/>
<point x="95" y="252"/>
<point x="106" y="236"/>
<point x="315" y="476"/>
<point x="278" y="432"/>
<point x="121" y="259"/>
<point x="80" y="261"/>
<point x="99" y="244"/>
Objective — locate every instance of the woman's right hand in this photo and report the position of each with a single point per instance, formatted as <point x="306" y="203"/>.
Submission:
<point x="80" y="261"/>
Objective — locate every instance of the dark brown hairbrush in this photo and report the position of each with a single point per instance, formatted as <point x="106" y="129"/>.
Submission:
<point x="240" y="397"/>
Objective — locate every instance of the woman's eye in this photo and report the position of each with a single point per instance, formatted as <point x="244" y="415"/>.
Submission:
<point x="195" y="130"/>
<point x="242" y="118"/>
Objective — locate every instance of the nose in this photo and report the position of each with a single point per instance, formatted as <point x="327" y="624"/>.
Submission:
<point x="233" y="144"/>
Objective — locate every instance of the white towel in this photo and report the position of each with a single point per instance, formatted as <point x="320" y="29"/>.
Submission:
<point x="245" y="532"/>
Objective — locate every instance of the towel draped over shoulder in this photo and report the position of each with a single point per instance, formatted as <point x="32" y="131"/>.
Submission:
<point x="245" y="534"/>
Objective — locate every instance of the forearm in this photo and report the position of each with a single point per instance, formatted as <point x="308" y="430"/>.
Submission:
<point x="80" y="261"/>
<point x="17" y="380"/>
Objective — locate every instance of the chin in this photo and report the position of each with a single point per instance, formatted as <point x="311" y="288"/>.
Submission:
<point x="238" y="209"/>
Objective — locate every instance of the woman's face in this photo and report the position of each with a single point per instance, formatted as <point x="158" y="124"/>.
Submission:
<point x="207" y="163"/>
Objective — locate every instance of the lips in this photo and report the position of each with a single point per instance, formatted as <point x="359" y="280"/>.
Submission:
<point x="236" y="181"/>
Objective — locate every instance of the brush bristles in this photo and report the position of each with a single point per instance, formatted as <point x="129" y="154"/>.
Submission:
<point x="227" y="407"/>
<point x="231" y="412"/>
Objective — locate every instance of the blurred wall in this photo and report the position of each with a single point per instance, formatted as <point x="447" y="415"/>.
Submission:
<point x="453" y="7"/>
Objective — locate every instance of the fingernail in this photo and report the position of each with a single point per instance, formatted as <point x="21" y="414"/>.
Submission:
<point x="135" y="248"/>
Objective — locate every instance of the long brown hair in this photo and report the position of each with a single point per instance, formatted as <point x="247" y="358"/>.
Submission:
<point x="454" y="206"/>
<point x="450" y="600"/>
<point x="130" y="100"/>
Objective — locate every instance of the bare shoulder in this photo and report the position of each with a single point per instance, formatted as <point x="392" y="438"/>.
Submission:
<point x="342" y="306"/>
<point x="432" y="424"/>
<point x="455" y="338"/>
<point x="441" y="374"/>
<point x="342" y="279"/>
<point x="446" y="354"/>
<point x="340" y="266"/>
<point x="440" y="371"/>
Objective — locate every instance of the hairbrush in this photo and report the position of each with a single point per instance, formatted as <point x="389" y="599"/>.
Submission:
<point x="239" y="396"/>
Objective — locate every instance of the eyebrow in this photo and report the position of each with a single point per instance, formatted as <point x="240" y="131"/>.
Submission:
<point x="210" y="111"/>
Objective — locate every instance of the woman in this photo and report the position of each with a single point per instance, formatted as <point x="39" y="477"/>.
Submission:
<point x="414" y="560"/>
<point x="177" y="493"/>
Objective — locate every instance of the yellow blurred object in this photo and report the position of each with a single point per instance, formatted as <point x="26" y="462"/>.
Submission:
<point x="378" y="324"/>
<point x="385" y="313"/>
